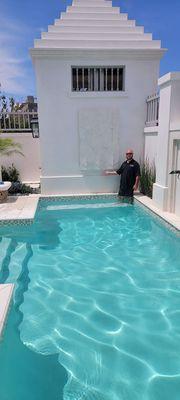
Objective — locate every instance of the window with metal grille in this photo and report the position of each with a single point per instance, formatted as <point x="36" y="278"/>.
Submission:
<point x="97" y="79"/>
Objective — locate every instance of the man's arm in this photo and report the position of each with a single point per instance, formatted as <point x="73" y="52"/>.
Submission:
<point x="109" y="172"/>
<point x="120" y="170"/>
<point x="138" y="174"/>
<point x="135" y="187"/>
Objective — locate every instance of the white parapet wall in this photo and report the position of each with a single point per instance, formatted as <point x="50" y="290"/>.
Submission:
<point x="150" y="144"/>
<point x="28" y="165"/>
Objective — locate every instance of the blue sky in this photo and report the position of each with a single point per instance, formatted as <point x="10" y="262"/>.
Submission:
<point x="21" y="21"/>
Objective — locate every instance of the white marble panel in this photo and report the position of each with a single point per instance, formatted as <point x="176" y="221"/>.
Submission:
<point x="98" y="138"/>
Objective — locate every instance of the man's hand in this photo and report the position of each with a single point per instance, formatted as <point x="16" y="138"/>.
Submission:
<point x="109" y="172"/>
<point x="135" y="188"/>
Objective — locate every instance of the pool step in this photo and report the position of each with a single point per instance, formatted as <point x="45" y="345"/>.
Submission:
<point x="11" y="253"/>
<point x="80" y="206"/>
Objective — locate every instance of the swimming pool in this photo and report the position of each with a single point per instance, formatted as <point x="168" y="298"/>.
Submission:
<point x="96" y="306"/>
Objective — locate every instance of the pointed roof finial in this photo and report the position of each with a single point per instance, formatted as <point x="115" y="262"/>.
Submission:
<point x="96" y="24"/>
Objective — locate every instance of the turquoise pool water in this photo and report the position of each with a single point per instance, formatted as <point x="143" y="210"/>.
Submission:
<point x="96" y="306"/>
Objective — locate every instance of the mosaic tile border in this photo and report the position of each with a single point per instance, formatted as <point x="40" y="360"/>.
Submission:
<point x="8" y="222"/>
<point x="78" y="197"/>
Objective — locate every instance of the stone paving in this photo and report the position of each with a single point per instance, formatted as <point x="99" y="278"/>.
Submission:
<point x="19" y="208"/>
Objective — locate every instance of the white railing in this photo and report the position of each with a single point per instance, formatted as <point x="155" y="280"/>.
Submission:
<point x="16" y="121"/>
<point x="152" y="118"/>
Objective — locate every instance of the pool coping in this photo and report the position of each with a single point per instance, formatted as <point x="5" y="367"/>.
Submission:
<point x="25" y="207"/>
<point x="19" y="210"/>
<point x="6" y="292"/>
<point x="171" y="219"/>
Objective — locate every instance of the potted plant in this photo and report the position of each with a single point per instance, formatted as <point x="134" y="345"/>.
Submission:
<point x="7" y="147"/>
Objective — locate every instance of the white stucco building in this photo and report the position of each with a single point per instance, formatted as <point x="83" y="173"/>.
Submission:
<point x="94" y="70"/>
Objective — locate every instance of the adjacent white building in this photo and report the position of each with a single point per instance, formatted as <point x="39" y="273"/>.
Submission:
<point x="94" y="70"/>
<point x="166" y="191"/>
<point x="162" y="142"/>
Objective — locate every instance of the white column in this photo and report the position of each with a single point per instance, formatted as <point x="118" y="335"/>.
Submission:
<point x="169" y="88"/>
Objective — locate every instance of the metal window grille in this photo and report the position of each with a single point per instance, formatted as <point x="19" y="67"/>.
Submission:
<point x="97" y="79"/>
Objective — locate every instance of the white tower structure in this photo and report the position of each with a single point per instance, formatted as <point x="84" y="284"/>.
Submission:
<point x="94" y="70"/>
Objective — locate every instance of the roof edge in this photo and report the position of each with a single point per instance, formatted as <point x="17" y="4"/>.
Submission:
<point x="130" y="53"/>
<point x="169" y="77"/>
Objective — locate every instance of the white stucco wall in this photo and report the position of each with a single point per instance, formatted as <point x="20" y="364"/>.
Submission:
<point x="59" y="110"/>
<point x="29" y="164"/>
<point x="175" y="102"/>
<point x="150" y="144"/>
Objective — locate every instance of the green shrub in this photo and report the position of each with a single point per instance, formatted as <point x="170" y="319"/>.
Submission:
<point x="10" y="174"/>
<point x="20" y="188"/>
<point x="148" y="177"/>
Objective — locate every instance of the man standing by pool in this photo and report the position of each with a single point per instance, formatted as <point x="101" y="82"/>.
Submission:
<point x="130" y="174"/>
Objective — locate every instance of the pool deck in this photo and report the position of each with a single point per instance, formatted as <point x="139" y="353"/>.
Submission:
<point x="18" y="208"/>
<point x="6" y="291"/>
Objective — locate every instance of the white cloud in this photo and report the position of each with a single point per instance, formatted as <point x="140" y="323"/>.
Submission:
<point x="13" y="67"/>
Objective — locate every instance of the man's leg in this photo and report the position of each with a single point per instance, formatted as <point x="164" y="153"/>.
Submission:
<point x="130" y="199"/>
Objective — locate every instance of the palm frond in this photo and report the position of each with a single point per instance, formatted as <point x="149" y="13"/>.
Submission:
<point x="8" y="147"/>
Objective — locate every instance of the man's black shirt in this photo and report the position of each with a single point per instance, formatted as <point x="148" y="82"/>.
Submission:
<point x="128" y="171"/>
